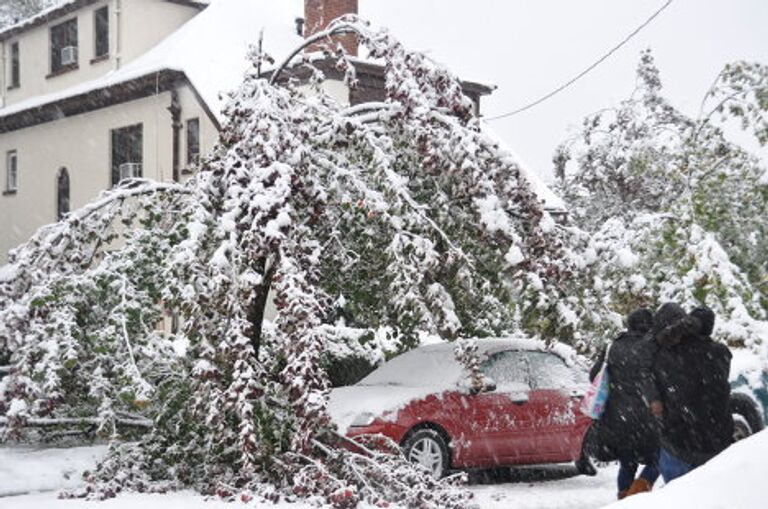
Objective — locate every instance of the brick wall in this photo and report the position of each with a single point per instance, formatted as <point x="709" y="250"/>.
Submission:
<point x="319" y="13"/>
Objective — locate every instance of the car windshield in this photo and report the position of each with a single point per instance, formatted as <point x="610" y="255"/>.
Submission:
<point x="431" y="366"/>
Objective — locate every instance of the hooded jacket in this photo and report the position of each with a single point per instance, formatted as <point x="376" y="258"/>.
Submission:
<point x="691" y="373"/>
<point x="627" y="430"/>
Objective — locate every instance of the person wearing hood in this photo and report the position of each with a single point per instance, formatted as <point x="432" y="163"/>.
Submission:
<point x="691" y="374"/>
<point x="627" y="430"/>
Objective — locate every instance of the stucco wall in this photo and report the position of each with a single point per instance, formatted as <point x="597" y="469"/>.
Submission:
<point x="147" y="22"/>
<point x="82" y="144"/>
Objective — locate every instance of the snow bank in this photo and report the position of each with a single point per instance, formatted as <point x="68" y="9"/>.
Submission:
<point x="734" y="479"/>
<point x="24" y="470"/>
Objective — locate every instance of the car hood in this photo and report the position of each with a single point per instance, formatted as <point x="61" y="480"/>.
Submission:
<point x="382" y="401"/>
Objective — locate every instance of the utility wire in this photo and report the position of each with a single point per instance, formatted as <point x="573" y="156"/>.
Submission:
<point x="585" y="71"/>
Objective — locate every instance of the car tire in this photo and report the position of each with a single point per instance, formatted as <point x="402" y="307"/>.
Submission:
<point x="428" y="448"/>
<point x="741" y="428"/>
<point x="751" y="421"/>
<point x="585" y="465"/>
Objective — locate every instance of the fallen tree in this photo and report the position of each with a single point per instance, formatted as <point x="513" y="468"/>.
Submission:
<point x="402" y="213"/>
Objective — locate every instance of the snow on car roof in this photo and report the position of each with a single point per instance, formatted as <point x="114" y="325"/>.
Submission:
<point x="436" y="365"/>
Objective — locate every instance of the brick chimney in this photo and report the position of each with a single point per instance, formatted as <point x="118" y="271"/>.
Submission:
<point x="319" y="13"/>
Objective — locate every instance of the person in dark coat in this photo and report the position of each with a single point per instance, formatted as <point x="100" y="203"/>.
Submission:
<point x="627" y="430"/>
<point x="691" y="373"/>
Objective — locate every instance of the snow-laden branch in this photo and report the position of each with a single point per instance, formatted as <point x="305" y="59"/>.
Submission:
<point x="45" y="242"/>
<point x="38" y="422"/>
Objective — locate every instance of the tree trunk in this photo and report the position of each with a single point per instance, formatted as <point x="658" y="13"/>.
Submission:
<point x="259" y="305"/>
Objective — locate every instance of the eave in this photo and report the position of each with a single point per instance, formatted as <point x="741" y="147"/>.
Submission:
<point x="144" y="86"/>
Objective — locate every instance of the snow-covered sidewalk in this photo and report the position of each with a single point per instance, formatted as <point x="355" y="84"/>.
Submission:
<point x="25" y="469"/>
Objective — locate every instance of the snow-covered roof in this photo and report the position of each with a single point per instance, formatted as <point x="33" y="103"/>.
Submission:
<point x="62" y="8"/>
<point x="210" y="49"/>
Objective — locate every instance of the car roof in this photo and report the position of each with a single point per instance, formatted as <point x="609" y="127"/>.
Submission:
<point x="435" y="365"/>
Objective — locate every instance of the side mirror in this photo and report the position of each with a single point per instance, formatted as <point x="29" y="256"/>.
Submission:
<point x="489" y="385"/>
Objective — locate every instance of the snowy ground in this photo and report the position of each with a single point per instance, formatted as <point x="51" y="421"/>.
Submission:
<point x="733" y="480"/>
<point x="42" y="472"/>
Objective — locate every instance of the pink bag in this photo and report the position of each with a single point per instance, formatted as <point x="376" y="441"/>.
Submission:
<point x="593" y="404"/>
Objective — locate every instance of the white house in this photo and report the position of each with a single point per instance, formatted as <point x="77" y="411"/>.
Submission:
<point x="93" y="91"/>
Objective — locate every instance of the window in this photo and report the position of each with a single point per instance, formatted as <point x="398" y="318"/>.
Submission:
<point x="508" y="369"/>
<point x="127" y="153"/>
<point x="62" y="194"/>
<point x="64" y="46"/>
<point x="11" y="172"/>
<point x="15" y="80"/>
<point x="550" y="372"/>
<point x="101" y="29"/>
<point x="193" y="141"/>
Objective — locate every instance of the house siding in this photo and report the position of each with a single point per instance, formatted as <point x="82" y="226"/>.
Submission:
<point x="82" y="145"/>
<point x="135" y="26"/>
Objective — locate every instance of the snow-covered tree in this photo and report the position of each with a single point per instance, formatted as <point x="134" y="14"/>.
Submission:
<point x="12" y="11"/>
<point x="670" y="208"/>
<point x="403" y="214"/>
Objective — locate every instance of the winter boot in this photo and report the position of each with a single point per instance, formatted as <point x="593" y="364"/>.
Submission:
<point x="639" y="486"/>
<point x="622" y="494"/>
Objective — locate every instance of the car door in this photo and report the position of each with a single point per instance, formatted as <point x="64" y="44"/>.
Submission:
<point x="500" y="420"/>
<point x="556" y="392"/>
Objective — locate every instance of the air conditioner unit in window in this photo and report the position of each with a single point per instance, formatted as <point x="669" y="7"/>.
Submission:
<point x="130" y="170"/>
<point x="69" y="55"/>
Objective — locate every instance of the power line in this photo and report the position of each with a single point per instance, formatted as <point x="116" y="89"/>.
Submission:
<point x="585" y="71"/>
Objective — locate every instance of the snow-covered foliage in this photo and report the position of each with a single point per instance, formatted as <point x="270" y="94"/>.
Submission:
<point x="669" y="208"/>
<point x="12" y="11"/>
<point x="401" y="215"/>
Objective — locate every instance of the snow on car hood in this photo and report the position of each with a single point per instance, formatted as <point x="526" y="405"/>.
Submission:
<point x="382" y="401"/>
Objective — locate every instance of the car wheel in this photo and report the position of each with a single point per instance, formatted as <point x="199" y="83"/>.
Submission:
<point x="585" y="465"/>
<point x="744" y="407"/>
<point x="741" y="428"/>
<point x="428" y="448"/>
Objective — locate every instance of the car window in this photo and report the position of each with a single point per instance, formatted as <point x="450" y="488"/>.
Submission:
<point x="508" y="369"/>
<point x="548" y="371"/>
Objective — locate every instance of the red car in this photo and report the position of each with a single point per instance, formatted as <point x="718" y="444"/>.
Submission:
<point x="422" y="400"/>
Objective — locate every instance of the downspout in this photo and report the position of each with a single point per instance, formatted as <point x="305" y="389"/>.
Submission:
<point x="118" y="33"/>
<point x="4" y="90"/>
<point x="176" y="125"/>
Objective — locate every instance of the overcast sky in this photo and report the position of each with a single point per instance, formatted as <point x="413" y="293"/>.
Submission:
<point x="529" y="47"/>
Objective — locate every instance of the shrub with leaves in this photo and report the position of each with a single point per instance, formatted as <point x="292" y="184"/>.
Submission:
<point x="669" y="208"/>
